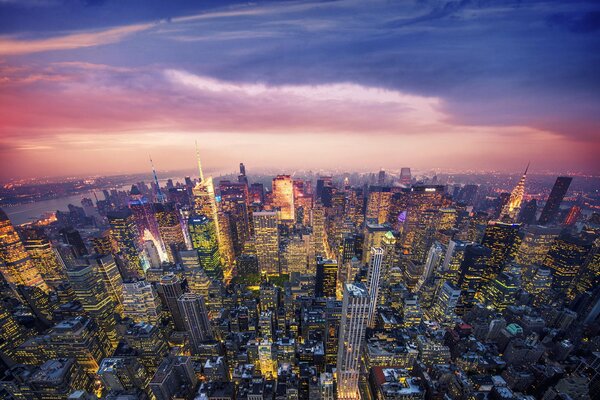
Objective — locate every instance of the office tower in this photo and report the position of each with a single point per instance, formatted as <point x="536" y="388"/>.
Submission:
<point x="502" y="291"/>
<point x="141" y="302"/>
<point x="242" y="178"/>
<point x="179" y="196"/>
<point x="204" y="240"/>
<point x="234" y="204"/>
<point x="381" y="178"/>
<point x="296" y="254"/>
<point x="588" y="277"/>
<point x="95" y="296"/>
<point x="267" y="363"/>
<point x="266" y="236"/>
<point x="453" y="258"/>
<point x="355" y="314"/>
<point x="322" y="183"/>
<point x="552" y="206"/>
<point x="472" y="273"/>
<point x="445" y="303"/>
<point x="38" y="302"/>
<point x="195" y="319"/>
<point x="535" y="244"/>
<point x="102" y="243"/>
<point x="283" y="197"/>
<point x="110" y="275"/>
<point x="72" y="237"/>
<point x="15" y="264"/>
<point x="434" y="260"/>
<point x="538" y="284"/>
<point x="373" y="281"/>
<point x="421" y="217"/>
<point x="12" y="334"/>
<point x="174" y="378"/>
<point x="78" y="338"/>
<point x="148" y="342"/>
<point x="326" y="386"/>
<point x="123" y="374"/>
<point x="171" y="290"/>
<point x="326" y="278"/>
<point x="256" y="192"/>
<point x="573" y="215"/>
<point x="447" y="218"/>
<point x="170" y="229"/>
<point x="124" y="233"/>
<point x="504" y="241"/>
<point x="405" y="176"/>
<point x="511" y="209"/>
<point x="374" y="234"/>
<point x="44" y="257"/>
<point x="319" y="234"/>
<point x="378" y="204"/>
<point x="355" y="206"/>
<point x="205" y="204"/>
<point x="565" y="258"/>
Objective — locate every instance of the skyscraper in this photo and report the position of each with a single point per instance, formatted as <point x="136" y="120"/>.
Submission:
<point x="170" y="229"/>
<point x="326" y="278"/>
<point x="405" y="176"/>
<point x="204" y="240"/>
<point x="550" y="210"/>
<point x="354" y="321"/>
<point x="565" y="258"/>
<point x="511" y="209"/>
<point x="124" y="233"/>
<point x="373" y="281"/>
<point x="446" y="302"/>
<point x="267" y="241"/>
<point x="140" y="302"/>
<point x="16" y="264"/>
<point x="378" y="204"/>
<point x="195" y="319"/>
<point x="504" y="241"/>
<point x="171" y="290"/>
<point x="44" y="257"/>
<point x="283" y="197"/>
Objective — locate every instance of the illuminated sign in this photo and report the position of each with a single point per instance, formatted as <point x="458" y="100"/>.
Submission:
<point x="430" y="189"/>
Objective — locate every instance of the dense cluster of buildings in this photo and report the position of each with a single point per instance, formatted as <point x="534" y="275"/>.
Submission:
<point x="383" y="287"/>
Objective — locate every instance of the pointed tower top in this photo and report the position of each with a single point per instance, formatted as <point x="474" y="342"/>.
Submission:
<point x="199" y="163"/>
<point x="159" y="195"/>
<point x="527" y="169"/>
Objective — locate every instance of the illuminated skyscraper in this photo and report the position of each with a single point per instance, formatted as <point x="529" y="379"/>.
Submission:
<point x="565" y="258"/>
<point x="326" y="278"/>
<point x="378" y="204"/>
<point x="144" y="217"/>
<point x="502" y="291"/>
<point x="44" y="257"/>
<point x="353" y="324"/>
<point x="283" y="197"/>
<point x="267" y="241"/>
<point x="511" y="209"/>
<point x="124" y="233"/>
<point x="373" y="281"/>
<point x="16" y="264"/>
<point x="171" y="290"/>
<point x="319" y="234"/>
<point x="89" y="287"/>
<point x="535" y="244"/>
<point x="504" y="241"/>
<point x="234" y="204"/>
<point x="141" y="302"/>
<point x="107" y="268"/>
<point x="550" y="210"/>
<point x="445" y="302"/>
<point x="170" y="229"/>
<point x="195" y="319"/>
<point x="405" y="176"/>
<point x="204" y="241"/>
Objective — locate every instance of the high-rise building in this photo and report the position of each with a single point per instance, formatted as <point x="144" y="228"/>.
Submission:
<point x="535" y="244"/>
<point x="283" y="197"/>
<point x="174" y="378"/>
<point x="378" y="204"/>
<point x="445" y="303"/>
<point x="170" y="229"/>
<point x="44" y="257"/>
<point x="171" y="290"/>
<point x="511" y="209"/>
<point x="552" y="206"/>
<point x="15" y="263"/>
<point x="124" y="233"/>
<point x="195" y="319"/>
<point x="204" y="240"/>
<point x="145" y="219"/>
<point x="71" y="236"/>
<point x="373" y="281"/>
<point x="266" y="235"/>
<point x="234" y="204"/>
<point x="90" y="289"/>
<point x="565" y="258"/>
<point x="353" y="324"/>
<point x="123" y="374"/>
<point x="503" y="240"/>
<point x="527" y="214"/>
<point x="502" y="291"/>
<point x="141" y="302"/>
<point x="326" y="278"/>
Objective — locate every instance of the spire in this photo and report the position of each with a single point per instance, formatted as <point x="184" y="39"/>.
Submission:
<point x="527" y="169"/>
<point x="199" y="163"/>
<point x="159" y="195"/>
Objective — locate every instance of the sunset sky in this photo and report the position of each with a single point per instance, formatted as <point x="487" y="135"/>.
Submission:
<point x="94" y="87"/>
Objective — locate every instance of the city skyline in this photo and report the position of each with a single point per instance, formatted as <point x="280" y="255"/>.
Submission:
<point x="300" y="85"/>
